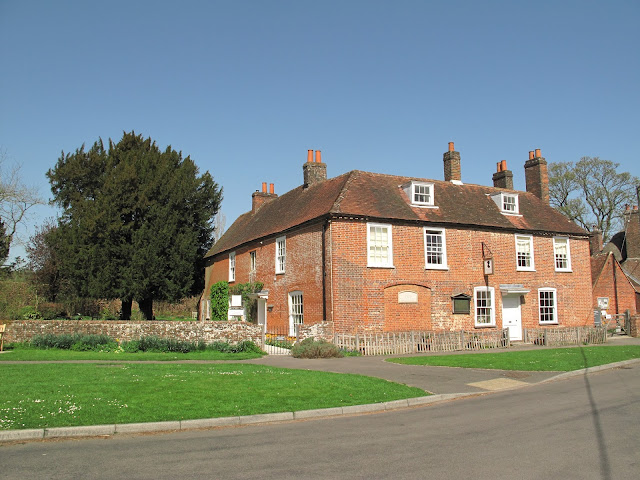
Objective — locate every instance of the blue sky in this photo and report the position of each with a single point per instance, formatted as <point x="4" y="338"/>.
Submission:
<point x="247" y="87"/>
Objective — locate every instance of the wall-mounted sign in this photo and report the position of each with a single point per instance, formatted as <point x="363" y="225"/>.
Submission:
<point x="603" y="303"/>
<point x="407" y="297"/>
<point x="488" y="266"/>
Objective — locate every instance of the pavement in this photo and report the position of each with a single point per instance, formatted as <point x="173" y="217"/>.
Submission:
<point x="444" y="383"/>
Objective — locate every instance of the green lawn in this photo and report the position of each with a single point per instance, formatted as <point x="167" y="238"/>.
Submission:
<point x="556" y="359"/>
<point x="54" y="395"/>
<point x="53" y="354"/>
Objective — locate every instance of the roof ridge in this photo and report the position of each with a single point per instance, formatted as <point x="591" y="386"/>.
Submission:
<point x="344" y="190"/>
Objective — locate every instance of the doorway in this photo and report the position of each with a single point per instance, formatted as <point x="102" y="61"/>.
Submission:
<point x="512" y="316"/>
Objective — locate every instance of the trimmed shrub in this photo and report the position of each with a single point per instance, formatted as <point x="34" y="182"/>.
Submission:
<point x="311" y="348"/>
<point x="219" y="301"/>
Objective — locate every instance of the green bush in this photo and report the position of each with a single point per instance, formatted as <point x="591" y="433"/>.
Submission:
<point x="219" y="296"/>
<point x="77" y="342"/>
<point x="311" y="348"/>
<point x="51" y="311"/>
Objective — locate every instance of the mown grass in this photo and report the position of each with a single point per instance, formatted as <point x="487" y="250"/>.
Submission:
<point x="55" y="354"/>
<point x="54" y="395"/>
<point x="556" y="359"/>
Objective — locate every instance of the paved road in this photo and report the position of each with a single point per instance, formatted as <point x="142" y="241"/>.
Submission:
<point x="583" y="427"/>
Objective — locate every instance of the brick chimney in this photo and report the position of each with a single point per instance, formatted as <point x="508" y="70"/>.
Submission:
<point x="260" y="198"/>
<point x="451" y="161"/>
<point x="536" y="176"/>
<point x="313" y="171"/>
<point x="503" y="178"/>
<point x="595" y="241"/>
<point x="632" y="232"/>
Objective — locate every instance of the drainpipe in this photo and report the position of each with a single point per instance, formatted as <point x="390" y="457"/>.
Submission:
<point x="615" y="282"/>
<point x="324" y="270"/>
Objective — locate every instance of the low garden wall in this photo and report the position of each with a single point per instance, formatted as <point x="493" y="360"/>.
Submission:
<point x="209" y="332"/>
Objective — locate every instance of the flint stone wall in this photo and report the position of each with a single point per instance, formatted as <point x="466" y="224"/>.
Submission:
<point x="231" y="332"/>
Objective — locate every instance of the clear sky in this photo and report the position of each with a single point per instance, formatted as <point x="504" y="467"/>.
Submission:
<point x="247" y="87"/>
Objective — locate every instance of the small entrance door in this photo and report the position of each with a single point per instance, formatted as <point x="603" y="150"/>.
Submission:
<point x="512" y="316"/>
<point x="262" y="311"/>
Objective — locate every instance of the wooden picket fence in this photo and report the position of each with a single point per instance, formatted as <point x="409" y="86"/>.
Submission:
<point x="559" y="336"/>
<point x="397" y="343"/>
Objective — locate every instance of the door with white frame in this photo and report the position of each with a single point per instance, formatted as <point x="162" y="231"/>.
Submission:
<point x="512" y="316"/>
<point x="296" y="312"/>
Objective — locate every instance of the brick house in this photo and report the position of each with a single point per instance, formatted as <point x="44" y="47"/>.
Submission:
<point x="615" y="269"/>
<point x="374" y="252"/>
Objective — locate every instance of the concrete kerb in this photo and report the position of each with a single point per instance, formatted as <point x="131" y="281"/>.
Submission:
<point x="584" y="371"/>
<point x="107" y="430"/>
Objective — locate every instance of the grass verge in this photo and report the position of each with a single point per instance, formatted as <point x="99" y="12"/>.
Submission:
<point x="55" y="354"/>
<point x="56" y="395"/>
<point x="556" y="359"/>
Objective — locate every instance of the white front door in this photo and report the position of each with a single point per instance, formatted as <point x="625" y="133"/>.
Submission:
<point x="512" y="316"/>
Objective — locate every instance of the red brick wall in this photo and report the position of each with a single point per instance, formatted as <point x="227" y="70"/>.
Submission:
<point x="358" y="302"/>
<point x="303" y="273"/>
<point x="614" y="285"/>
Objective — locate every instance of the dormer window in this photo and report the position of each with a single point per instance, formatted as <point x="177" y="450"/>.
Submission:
<point x="507" y="202"/>
<point x="419" y="193"/>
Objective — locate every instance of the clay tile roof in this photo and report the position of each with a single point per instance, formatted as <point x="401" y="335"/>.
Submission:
<point x="597" y="264"/>
<point x="380" y="197"/>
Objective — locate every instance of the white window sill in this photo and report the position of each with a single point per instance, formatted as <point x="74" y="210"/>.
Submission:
<point x="511" y="214"/>
<point x="436" y="267"/>
<point x="381" y="266"/>
<point x="485" y="325"/>
<point x="564" y="270"/>
<point x="525" y="269"/>
<point x="422" y="205"/>
<point x="548" y="323"/>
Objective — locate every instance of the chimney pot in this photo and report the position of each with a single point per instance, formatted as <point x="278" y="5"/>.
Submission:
<point x="451" y="161"/>
<point x="271" y="189"/>
<point x="309" y="156"/>
<point x="498" y="167"/>
<point x="318" y="158"/>
<point x="503" y="165"/>
<point x="537" y="176"/>
<point x="264" y="187"/>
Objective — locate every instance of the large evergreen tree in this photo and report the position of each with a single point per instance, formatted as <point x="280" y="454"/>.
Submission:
<point x="136" y="221"/>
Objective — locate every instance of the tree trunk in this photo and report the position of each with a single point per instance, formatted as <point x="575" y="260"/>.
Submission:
<point x="125" y="310"/>
<point x="146" y="308"/>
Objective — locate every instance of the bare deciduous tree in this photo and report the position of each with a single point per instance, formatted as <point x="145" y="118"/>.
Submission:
<point x="16" y="198"/>
<point x="591" y="192"/>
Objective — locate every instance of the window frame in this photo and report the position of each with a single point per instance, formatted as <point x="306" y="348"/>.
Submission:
<point x="516" y="204"/>
<point x="281" y="254"/>
<point x="294" y="316"/>
<point x="232" y="266"/>
<point x="443" y="254"/>
<point x="389" y="263"/>
<point x="253" y="262"/>
<point x="492" y="312"/>
<point x="413" y="188"/>
<point x="558" y="241"/>
<point x="532" y="266"/>
<point x="554" y="307"/>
